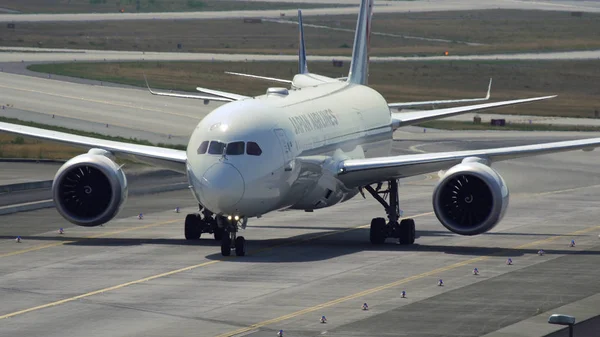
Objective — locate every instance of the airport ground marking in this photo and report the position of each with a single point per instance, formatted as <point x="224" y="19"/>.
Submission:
<point x="95" y="236"/>
<point x="291" y="315"/>
<point x="103" y="290"/>
<point x="173" y="272"/>
<point x="123" y="105"/>
<point x="397" y="283"/>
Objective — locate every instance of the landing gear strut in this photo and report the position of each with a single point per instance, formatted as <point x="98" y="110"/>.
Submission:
<point x="202" y="222"/>
<point x="404" y="230"/>
<point x="230" y="239"/>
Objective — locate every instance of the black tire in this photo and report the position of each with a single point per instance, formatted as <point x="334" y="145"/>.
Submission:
<point x="407" y="232"/>
<point x="240" y="246"/>
<point x="226" y="245"/>
<point x="218" y="233"/>
<point x="377" y="231"/>
<point x="192" y="229"/>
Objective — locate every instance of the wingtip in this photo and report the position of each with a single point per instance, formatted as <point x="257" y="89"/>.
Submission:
<point x="489" y="91"/>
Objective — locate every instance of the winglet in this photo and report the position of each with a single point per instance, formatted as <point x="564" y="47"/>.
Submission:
<point x="147" y="85"/>
<point x="359" y="68"/>
<point x="489" y="90"/>
<point x="302" y="64"/>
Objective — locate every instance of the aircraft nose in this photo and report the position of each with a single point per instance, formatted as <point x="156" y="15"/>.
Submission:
<point x="222" y="187"/>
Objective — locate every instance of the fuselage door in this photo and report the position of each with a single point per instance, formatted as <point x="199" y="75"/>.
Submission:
<point x="286" y="145"/>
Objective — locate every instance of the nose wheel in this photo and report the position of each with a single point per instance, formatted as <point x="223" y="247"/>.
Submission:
<point x="230" y="241"/>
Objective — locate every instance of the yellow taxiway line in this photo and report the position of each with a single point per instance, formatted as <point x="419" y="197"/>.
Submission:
<point x="177" y="271"/>
<point x="394" y="284"/>
<point x="33" y="249"/>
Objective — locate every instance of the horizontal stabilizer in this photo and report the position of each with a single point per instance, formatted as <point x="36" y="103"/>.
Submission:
<point x="449" y="101"/>
<point x="170" y="94"/>
<point x="260" y="77"/>
<point x="228" y="95"/>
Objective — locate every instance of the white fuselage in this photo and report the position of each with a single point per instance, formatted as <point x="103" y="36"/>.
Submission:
<point x="302" y="136"/>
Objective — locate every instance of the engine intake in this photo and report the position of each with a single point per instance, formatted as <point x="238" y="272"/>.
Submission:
<point x="89" y="189"/>
<point x="471" y="198"/>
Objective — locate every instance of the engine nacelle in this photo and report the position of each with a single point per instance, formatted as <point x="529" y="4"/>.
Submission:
<point x="89" y="189"/>
<point x="471" y="198"/>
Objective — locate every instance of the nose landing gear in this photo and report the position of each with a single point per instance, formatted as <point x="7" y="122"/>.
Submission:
<point x="404" y="230"/>
<point x="230" y="239"/>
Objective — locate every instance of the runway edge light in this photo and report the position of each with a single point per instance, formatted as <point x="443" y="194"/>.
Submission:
<point x="365" y="306"/>
<point x="509" y="261"/>
<point x="323" y="319"/>
<point x="541" y="252"/>
<point x="280" y="333"/>
<point x="475" y="271"/>
<point x="572" y="243"/>
<point x="18" y="239"/>
<point x="440" y="283"/>
<point x="403" y="295"/>
<point x="61" y="231"/>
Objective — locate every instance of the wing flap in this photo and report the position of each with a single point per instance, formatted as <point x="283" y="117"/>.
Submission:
<point x="400" y="119"/>
<point x="157" y="156"/>
<point x="360" y="172"/>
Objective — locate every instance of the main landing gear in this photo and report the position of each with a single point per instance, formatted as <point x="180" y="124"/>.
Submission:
<point x="202" y="222"/>
<point x="404" y="230"/>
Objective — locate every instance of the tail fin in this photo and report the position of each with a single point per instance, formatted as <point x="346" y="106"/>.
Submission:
<point x="302" y="65"/>
<point x="359" y="68"/>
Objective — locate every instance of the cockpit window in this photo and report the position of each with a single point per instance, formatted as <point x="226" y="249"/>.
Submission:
<point x="203" y="147"/>
<point x="216" y="147"/>
<point x="253" y="149"/>
<point x="235" y="148"/>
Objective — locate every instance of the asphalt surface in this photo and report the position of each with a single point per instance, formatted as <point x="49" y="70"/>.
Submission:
<point x="380" y="7"/>
<point x="15" y="173"/>
<point x="141" y="181"/>
<point x="108" y="110"/>
<point x="18" y="54"/>
<point x="140" y="277"/>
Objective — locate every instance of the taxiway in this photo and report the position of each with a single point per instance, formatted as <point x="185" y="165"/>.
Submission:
<point x="140" y="277"/>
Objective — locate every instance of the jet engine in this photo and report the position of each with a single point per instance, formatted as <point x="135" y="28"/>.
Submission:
<point x="90" y="189"/>
<point x="471" y="198"/>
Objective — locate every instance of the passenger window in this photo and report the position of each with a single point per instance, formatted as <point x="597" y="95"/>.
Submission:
<point x="253" y="149"/>
<point x="203" y="147"/>
<point x="235" y="148"/>
<point x="216" y="147"/>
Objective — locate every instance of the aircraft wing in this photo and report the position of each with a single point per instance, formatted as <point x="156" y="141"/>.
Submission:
<point x="414" y="117"/>
<point x="447" y="101"/>
<point x="157" y="156"/>
<point x="361" y="172"/>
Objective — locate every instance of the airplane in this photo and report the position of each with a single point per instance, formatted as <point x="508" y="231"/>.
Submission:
<point x="306" y="148"/>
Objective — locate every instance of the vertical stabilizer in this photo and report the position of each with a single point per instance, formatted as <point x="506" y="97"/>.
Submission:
<point x="302" y="65"/>
<point x="359" y="68"/>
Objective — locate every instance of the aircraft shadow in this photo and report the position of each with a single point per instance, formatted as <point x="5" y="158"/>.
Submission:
<point x="311" y="246"/>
